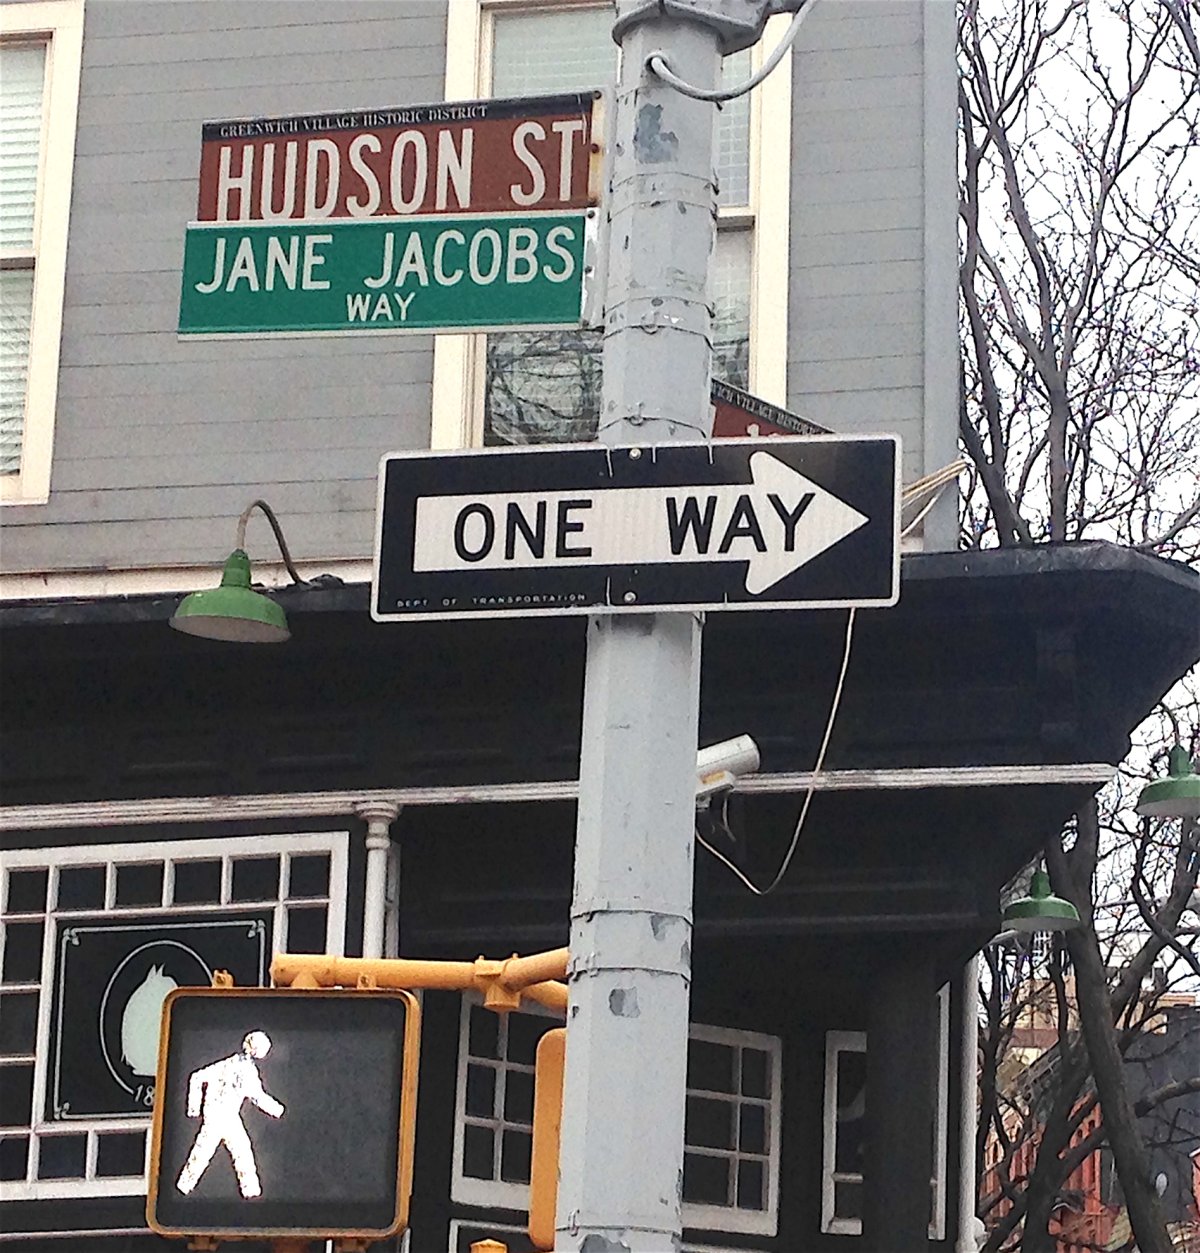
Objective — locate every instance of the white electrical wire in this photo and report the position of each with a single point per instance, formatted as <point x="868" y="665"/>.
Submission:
<point x="833" y="709"/>
<point x="657" y="63"/>
<point x="932" y="485"/>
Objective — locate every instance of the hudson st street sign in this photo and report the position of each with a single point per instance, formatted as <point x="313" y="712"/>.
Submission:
<point x="470" y="215"/>
<point x="736" y="524"/>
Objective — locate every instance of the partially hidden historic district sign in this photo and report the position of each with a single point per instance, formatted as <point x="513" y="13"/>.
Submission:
<point x="738" y="413"/>
<point x="795" y="521"/>
<point x="473" y="215"/>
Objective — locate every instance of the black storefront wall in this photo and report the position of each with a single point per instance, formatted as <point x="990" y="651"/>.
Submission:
<point x="1033" y="657"/>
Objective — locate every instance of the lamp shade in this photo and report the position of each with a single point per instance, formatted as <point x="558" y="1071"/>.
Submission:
<point x="1041" y="910"/>
<point x="1176" y="796"/>
<point x="233" y="611"/>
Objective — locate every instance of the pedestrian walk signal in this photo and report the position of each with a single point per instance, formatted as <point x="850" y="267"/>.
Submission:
<point x="284" y="1112"/>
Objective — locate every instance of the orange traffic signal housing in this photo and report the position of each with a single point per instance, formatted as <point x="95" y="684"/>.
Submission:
<point x="547" y="1128"/>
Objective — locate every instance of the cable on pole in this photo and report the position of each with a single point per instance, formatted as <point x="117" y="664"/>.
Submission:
<point x="657" y="63"/>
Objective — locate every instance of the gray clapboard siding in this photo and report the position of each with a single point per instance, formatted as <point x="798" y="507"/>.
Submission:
<point x="159" y="442"/>
<point x="192" y="541"/>
<point x="139" y="20"/>
<point x="865" y="138"/>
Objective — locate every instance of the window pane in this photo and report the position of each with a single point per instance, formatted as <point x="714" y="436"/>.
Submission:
<point x="16" y="1095"/>
<point x="16" y="306"/>
<point x="524" y="1032"/>
<point x="140" y="884"/>
<point x="309" y="875"/>
<point x="18" y="1023"/>
<point x="710" y="1067"/>
<point x="481" y="1091"/>
<point x="306" y="930"/>
<point x="539" y="53"/>
<point x="478" y="1149"/>
<point x="752" y="1138"/>
<point x="733" y="135"/>
<point x="706" y="1179"/>
<point x="731" y="307"/>
<point x="515" y="1155"/>
<point x="62" y="1157"/>
<point x="544" y="386"/>
<point x="14" y="1158"/>
<point x="755" y="1068"/>
<point x="533" y="53"/>
<point x="255" y="879"/>
<point x="22" y="952"/>
<point x="485" y="1033"/>
<point x="26" y="892"/>
<point x="121" y="1153"/>
<point x="197" y="882"/>
<point x="518" y="1097"/>
<point x="81" y="887"/>
<point x="751" y="1190"/>
<point x="709" y="1123"/>
<point x="22" y="74"/>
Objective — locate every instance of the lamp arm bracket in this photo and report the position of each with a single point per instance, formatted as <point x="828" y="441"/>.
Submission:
<point x="269" y="513"/>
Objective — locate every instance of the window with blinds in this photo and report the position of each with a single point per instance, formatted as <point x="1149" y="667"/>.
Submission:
<point x="544" y="386"/>
<point x="22" y="84"/>
<point x="41" y="51"/>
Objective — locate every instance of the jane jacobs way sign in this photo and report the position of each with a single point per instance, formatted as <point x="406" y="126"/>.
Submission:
<point x="462" y="215"/>
<point x="735" y="524"/>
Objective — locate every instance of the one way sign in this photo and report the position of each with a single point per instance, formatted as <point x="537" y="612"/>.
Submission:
<point x="735" y="524"/>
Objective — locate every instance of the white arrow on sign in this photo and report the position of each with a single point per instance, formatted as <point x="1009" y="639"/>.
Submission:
<point x="776" y="524"/>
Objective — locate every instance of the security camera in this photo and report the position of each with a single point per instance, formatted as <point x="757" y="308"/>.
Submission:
<point x="719" y="766"/>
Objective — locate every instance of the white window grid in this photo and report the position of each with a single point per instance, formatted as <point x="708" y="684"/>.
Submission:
<point x="749" y="263"/>
<point x="834" y="1219"/>
<point x="110" y="858"/>
<point x="464" y="1230"/>
<point x="505" y="1126"/>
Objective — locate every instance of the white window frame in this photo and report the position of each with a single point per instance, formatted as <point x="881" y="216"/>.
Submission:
<point x="458" y="360"/>
<point x="501" y="1229"/>
<point x="55" y="859"/>
<point x="59" y="25"/>
<point x="499" y="1194"/>
<point x="837" y="1042"/>
<point x="510" y="1229"/>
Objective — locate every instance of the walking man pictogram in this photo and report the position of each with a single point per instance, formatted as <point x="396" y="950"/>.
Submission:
<point x="215" y="1096"/>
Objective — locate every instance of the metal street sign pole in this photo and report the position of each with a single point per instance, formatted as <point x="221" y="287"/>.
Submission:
<point x="621" y="1163"/>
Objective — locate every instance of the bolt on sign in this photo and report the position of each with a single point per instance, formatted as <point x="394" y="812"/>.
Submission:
<point x="474" y="215"/>
<point x="282" y="1112"/>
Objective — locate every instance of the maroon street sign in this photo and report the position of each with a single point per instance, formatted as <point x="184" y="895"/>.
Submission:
<point x="737" y="414"/>
<point x="455" y="157"/>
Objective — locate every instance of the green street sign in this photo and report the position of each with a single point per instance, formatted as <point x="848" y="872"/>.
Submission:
<point x="415" y="274"/>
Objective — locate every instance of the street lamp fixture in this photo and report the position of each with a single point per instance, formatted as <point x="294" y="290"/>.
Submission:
<point x="1041" y="910"/>
<point x="1176" y="796"/>
<point x="234" y="610"/>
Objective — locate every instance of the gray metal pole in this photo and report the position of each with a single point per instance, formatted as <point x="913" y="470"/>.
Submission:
<point x="621" y="1156"/>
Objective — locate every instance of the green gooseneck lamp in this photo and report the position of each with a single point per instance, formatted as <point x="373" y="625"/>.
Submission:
<point x="1041" y="910"/>
<point x="1176" y="796"/>
<point x="235" y="611"/>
